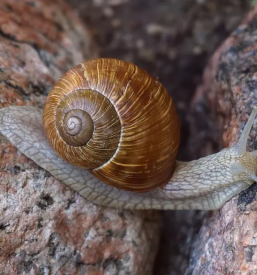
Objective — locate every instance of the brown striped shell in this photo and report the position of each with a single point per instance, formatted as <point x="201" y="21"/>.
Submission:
<point x="116" y="120"/>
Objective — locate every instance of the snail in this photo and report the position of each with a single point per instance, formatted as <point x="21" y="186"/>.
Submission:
<point x="110" y="131"/>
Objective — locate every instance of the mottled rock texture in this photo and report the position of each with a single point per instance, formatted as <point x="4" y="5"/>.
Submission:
<point x="227" y="241"/>
<point x="46" y="228"/>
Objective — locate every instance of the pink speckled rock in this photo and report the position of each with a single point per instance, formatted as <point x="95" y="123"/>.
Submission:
<point x="227" y="241"/>
<point x="46" y="228"/>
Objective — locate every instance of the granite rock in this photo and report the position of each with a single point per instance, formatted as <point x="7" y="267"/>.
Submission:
<point x="226" y="243"/>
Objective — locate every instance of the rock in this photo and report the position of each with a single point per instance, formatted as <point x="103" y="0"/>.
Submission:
<point x="45" y="227"/>
<point x="227" y="240"/>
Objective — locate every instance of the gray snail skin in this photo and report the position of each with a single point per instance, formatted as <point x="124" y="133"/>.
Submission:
<point x="207" y="183"/>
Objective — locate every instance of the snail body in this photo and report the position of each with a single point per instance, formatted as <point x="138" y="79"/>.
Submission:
<point x="206" y="183"/>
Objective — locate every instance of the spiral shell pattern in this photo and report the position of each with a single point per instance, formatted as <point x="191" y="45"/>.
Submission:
<point x="115" y="119"/>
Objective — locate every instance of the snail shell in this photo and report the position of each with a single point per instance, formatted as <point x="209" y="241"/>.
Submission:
<point x="116" y="120"/>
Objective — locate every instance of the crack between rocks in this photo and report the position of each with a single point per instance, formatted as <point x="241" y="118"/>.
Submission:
<point x="19" y="89"/>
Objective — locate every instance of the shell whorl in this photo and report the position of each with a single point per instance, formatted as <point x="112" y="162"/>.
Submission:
<point x="115" y="119"/>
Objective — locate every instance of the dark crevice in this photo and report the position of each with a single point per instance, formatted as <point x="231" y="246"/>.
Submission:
<point x="3" y="226"/>
<point x="15" y="170"/>
<point x="8" y="36"/>
<point x="53" y="244"/>
<point x="246" y="197"/>
<point x="45" y="201"/>
<point x="39" y="89"/>
<point x="19" y="89"/>
<point x="70" y="202"/>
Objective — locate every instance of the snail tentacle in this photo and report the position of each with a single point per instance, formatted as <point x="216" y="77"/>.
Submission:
<point x="242" y="142"/>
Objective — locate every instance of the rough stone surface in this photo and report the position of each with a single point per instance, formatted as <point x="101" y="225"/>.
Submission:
<point x="227" y="241"/>
<point x="46" y="228"/>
